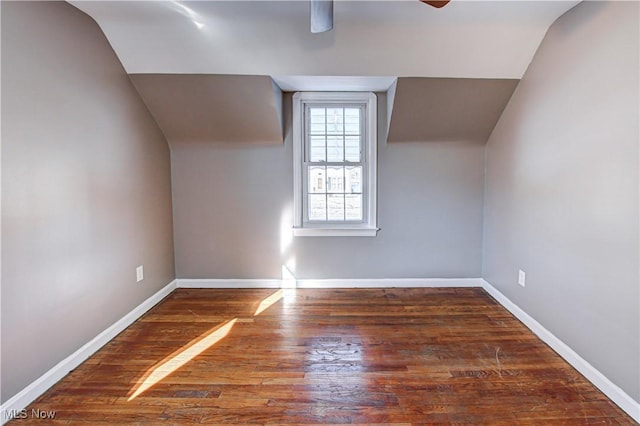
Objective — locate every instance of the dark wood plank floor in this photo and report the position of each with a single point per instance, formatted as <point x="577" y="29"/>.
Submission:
<point x="366" y="356"/>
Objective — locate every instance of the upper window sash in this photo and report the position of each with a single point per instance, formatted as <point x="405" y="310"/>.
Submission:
<point x="310" y="133"/>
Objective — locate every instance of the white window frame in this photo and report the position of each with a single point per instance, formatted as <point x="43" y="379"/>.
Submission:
<point x="368" y="227"/>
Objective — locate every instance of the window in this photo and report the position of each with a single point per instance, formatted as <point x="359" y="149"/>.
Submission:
<point x="334" y="154"/>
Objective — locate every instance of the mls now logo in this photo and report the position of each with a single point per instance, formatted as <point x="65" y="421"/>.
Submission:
<point x="24" y="414"/>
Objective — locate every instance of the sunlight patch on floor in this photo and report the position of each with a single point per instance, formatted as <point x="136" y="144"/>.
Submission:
<point x="183" y="356"/>
<point x="205" y="341"/>
<point x="269" y="301"/>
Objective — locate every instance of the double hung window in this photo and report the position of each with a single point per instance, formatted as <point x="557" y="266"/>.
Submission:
<point x="334" y="163"/>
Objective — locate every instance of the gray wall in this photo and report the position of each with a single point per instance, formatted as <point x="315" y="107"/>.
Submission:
<point x="561" y="196"/>
<point x="86" y="193"/>
<point x="233" y="206"/>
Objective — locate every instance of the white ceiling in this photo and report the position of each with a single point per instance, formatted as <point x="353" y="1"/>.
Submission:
<point x="305" y="83"/>
<point x="466" y="39"/>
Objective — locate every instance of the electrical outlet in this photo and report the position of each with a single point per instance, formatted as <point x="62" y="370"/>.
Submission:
<point x="521" y="277"/>
<point x="139" y="273"/>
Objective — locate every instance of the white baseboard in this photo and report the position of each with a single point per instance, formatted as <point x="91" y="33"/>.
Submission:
<point x="228" y="283"/>
<point x="29" y="394"/>
<point x="332" y="283"/>
<point x="617" y="395"/>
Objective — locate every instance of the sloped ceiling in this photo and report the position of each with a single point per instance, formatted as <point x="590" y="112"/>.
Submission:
<point x="402" y="38"/>
<point x="447" y="109"/>
<point x="198" y="108"/>
<point x="204" y="43"/>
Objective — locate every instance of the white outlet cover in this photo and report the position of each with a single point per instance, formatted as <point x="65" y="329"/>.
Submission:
<point x="139" y="273"/>
<point x="521" y="277"/>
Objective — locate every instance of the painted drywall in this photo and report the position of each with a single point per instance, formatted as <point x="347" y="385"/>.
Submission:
<point x="86" y="193"/>
<point x="213" y="108"/>
<point x="447" y="109"/>
<point x="465" y="39"/>
<point x="204" y="108"/>
<point x="233" y="213"/>
<point x="561" y="196"/>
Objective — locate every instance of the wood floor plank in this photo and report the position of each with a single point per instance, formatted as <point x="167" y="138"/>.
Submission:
<point x="339" y="356"/>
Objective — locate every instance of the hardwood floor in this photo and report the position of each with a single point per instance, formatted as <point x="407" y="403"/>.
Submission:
<point x="367" y="356"/>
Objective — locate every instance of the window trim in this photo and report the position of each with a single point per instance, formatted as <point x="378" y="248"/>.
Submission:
<point x="369" y="226"/>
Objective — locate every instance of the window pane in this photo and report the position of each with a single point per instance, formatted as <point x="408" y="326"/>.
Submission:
<point x="317" y="111"/>
<point x="317" y="148"/>
<point x="335" y="121"/>
<point x="317" y="207"/>
<point x="335" y="148"/>
<point x="335" y="179"/>
<point x="353" y="205"/>
<point x="335" y="205"/>
<point x="352" y="148"/>
<point x="352" y="121"/>
<point x="353" y="179"/>
<point x="317" y="179"/>
<point x="317" y="120"/>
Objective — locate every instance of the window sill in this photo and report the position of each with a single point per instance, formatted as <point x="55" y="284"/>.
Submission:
<point x="335" y="232"/>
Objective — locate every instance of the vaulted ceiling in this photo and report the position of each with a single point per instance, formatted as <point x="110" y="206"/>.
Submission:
<point x="373" y="43"/>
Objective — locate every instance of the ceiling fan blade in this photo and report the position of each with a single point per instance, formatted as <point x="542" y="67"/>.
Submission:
<point x="321" y="15"/>
<point x="437" y="4"/>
